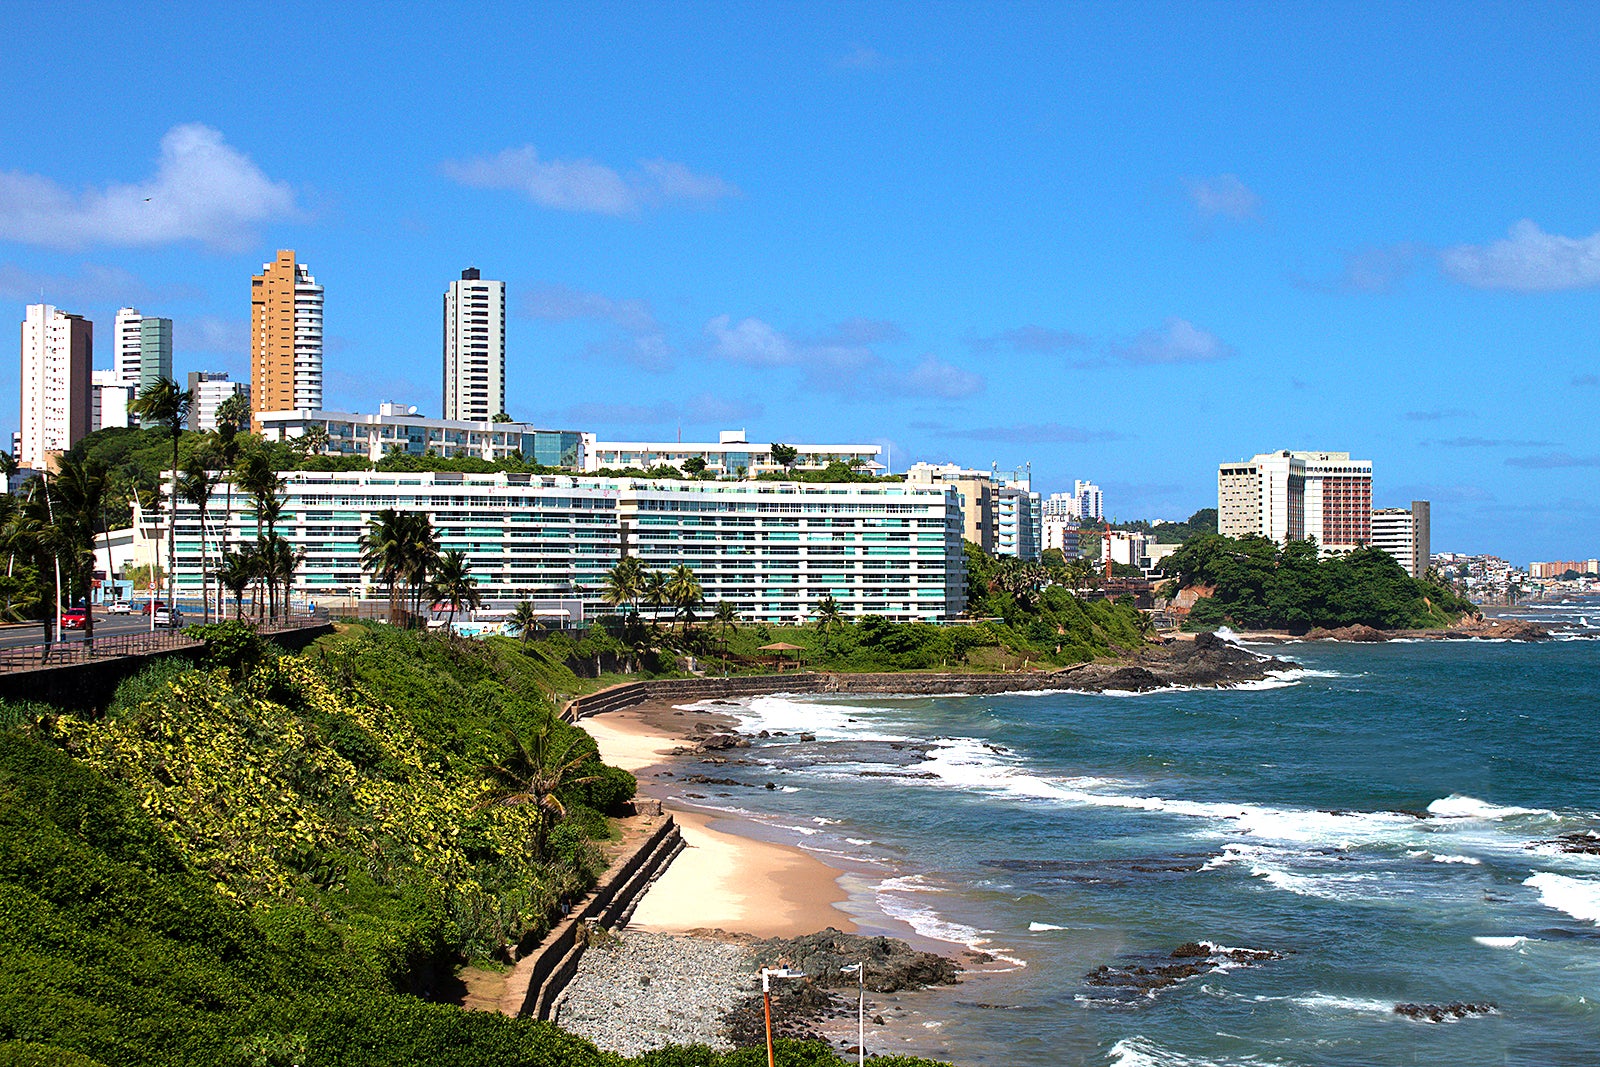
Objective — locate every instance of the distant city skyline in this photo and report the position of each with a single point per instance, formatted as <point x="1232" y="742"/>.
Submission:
<point x="972" y="235"/>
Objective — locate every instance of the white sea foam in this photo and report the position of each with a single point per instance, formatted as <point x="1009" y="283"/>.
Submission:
<point x="1501" y="942"/>
<point x="1041" y="927"/>
<point x="1424" y="854"/>
<point x="828" y="722"/>
<point x="1329" y="1002"/>
<point x="1140" y="1051"/>
<point x="1578" y="897"/>
<point x="1458" y="806"/>
<point x="910" y="883"/>
<point x="859" y="840"/>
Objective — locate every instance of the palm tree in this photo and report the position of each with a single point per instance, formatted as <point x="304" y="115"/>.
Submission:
<point x="34" y="536"/>
<point x="235" y="573"/>
<point x="77" y="511"/>
<point x="684" y="593"/>
<point x="655" y="595"/>
<point x="829" y="614"/>
<point x="280" y="561"/>
<point x="534" y="771"/>
<point x="383" y="554"/>
<point x="163" y="402"/>
<point x="196" y="486"/>
<point x="525" y="619"/>
<point x="453" y="583"/>
<point x="727" y="618"/>
<point x="421" y="555"/>
<point x="233" y="414"/>
<point x="625" y="584"/>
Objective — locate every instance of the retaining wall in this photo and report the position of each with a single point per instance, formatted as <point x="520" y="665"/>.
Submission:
<point x="89" y="685"/>
<point x="541" y="976"/>
<point x="677" y="690"/>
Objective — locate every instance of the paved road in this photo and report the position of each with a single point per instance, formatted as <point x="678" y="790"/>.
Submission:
<point x="104" y="626"/>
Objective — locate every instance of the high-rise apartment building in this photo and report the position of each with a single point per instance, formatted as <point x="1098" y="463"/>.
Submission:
<point x="474" y="348"/>
<point x="210" y="389"/>
<point x="285" y="337"/>
<point x="1091" y="504"/>
<point x="1285" y="495"/>
<point x="141" y="354"/>
<point x="127" y="346"/>
<point x="975" y="490"/>
<point x="1404" y="534"/>
<point x="57" y="402"/>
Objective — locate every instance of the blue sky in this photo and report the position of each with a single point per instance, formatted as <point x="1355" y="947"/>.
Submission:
<point x="1119" y="244"/>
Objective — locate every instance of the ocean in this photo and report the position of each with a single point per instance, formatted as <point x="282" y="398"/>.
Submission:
<point x="1386" y="823"/>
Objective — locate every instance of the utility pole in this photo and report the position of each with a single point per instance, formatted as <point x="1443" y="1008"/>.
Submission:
<point x="767" y="974"/>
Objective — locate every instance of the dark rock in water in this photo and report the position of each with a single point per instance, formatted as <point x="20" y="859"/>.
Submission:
<point x="1438" y="1013"/>
<point x="897" y="774"/>
<point x="705" y="779"/>
<point x="719" y="742"/>
<point x="1582" y="842"/>
<point x="891" y="964"/>
<point x="1348" y="633"/>
<point x="808" y="737"/>
<point x="1190" y="959"/>
<point x="1133" y="679"/>
<point x="772" y="785"/>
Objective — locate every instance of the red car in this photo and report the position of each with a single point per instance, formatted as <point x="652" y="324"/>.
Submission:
<point x="74" y="618"/>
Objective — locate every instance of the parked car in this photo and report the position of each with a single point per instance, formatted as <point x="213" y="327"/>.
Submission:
<point x="173" y="618"/>
<point x="119" y="607"/>
<point x="154" y="605"/>
<point x="74" y="618"/>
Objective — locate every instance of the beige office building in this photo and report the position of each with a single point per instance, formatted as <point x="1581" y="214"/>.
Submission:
<point x="285" y="337"/>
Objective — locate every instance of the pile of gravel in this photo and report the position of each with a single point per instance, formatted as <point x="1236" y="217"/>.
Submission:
<point x="635" y="991"/>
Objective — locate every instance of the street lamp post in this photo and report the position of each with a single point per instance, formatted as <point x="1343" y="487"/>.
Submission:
<point x="767" y="974"/>
<point x="860" y="970"/>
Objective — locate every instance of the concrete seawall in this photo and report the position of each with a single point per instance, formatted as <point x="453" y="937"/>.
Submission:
<point x="539" y="977"/>
<point x="675" y="690"/>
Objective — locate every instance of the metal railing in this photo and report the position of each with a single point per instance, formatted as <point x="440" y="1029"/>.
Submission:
<point x="62" y="653"/>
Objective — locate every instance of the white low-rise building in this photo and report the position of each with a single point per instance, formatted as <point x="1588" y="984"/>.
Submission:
<point x="731" y="457"/>
<point x="398" y="427"/>
<point x="773" y="549"/>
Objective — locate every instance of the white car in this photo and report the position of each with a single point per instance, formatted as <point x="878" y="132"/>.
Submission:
<point x="120" y="607"/>
<point x="169" y="618"/>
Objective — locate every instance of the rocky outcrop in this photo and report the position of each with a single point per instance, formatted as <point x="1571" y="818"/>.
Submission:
<point x="1348" y="633"/>
<point x="1145" y="976"/>
<point x="1503" y="629"/>
<point x="798" y="1005"/>
<point x="1440" y="1013"/>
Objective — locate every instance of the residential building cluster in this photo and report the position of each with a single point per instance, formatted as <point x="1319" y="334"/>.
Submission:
<point x="1321" y="496"/>
<point x="1561" y="568"/>
<point x="773" y="549"/>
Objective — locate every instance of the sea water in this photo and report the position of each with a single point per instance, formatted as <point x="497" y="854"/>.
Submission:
<point x="1388" y="819"/>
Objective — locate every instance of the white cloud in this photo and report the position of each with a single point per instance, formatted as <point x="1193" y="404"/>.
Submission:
<point x="204" y="190"/>
<point x="860" y="57"/>
<point x="1039" y="340"/>
<point x="1035" y="433"/>
<point x="93" y="284"/>
<point x="1177" y="341"/>
<point x="935" y="378"/>
<point x="559" y="303"/>
<point x="753" y="342"/>
<point x="1223" y="195"/>
<point x="852" y="369"/>
<point x="1526" y="260"/>
<point x="586" y="185"/>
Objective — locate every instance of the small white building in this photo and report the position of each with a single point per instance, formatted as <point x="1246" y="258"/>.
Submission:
<point x="210" y="390"/>
<point x="111" y="399"/>
<point x="398" y="427"/>
<point x="732" y="456"/>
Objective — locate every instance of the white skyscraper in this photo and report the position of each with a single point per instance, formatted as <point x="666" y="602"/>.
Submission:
<point x="1091" y="505"/>
<point x="474" y="348"/>
<point x="57" y="403"/>
<point x="126" y="342"/>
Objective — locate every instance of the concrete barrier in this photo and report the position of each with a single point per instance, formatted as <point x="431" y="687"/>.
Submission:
<point x="89" y="684"/>
<point x="539" y="978"/>
<point x="679" y="690"/>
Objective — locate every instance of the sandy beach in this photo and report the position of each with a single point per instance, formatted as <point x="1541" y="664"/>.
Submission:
<point x="721" y="881"/>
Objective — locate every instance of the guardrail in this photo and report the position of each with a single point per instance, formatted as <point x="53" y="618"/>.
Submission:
<point x="62" y="653"/>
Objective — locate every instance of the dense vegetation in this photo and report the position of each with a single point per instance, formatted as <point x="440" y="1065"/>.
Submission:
<point x="273" y="860"/>
<point x="1259" y="584"/>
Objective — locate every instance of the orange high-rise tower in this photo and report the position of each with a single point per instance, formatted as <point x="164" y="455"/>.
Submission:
<point x="285" y="337"/>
